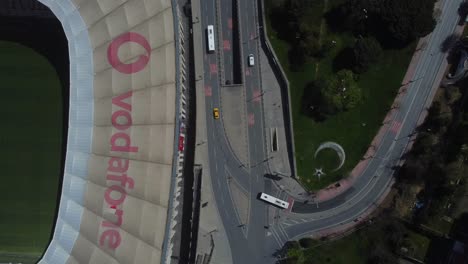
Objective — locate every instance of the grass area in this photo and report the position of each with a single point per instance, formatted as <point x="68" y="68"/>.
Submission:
<point x="417" y="245"/>
<point x="379" y="86"/>
<point x="19" y="257"/>
<point x="352" y="249"/>
<point x="439" y="224"/>
<point x="348" y="250"/>
<point x="360" y="246"/>
<point x="31" y="144"/>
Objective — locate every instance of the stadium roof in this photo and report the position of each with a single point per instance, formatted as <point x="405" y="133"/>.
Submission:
<point x="118" y="175"/>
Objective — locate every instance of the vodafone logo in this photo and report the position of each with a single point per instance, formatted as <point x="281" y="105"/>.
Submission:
<point x="130" y="68"/>
<point x="118" y="181"/>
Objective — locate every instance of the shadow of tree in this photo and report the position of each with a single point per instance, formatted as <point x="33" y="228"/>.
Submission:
<point x="311" y="102"/>
<point x="449" y="42"/>
<point x="343" y="60"/>
<point x="279" y="22"/>
<point x="335" y="19"/>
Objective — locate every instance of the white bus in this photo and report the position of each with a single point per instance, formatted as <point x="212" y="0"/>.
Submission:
<point x="273" y="200"/>
<point x="210" y="38"/>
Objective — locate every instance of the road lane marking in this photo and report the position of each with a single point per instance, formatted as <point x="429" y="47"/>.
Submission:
<point x="277" y="238"/>
<point x="213" y="68"/>
<point x="256" y="95"/>
<point x="284" y="232"/>
<point x="226" y="45"/>
<point x="251" y="119"/>
<point x="395" y="126"/>
<point x="208" y="91"/>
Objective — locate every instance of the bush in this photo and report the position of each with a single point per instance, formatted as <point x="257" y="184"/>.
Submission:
<point x="340" y="93"/>
<point x="366" y="52"/>
<point x="307" y="242"/>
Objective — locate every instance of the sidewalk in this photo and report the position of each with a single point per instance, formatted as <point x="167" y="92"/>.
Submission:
<point x="212" y="243"/>
<point x="273" y="116"/>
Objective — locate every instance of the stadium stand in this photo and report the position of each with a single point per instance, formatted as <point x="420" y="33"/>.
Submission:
<point x="119" y="201"/>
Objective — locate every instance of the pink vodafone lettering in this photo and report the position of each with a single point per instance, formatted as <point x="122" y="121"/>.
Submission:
<point x="120" y="141"/>
<point x="113" y="50"/>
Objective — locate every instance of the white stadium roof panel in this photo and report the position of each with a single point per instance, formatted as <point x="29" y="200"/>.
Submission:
<point x="119" y="164"/>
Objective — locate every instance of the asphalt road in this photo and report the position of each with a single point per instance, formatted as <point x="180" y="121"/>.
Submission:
<point x="247" y="240"/>
<point x="250" y="242"/>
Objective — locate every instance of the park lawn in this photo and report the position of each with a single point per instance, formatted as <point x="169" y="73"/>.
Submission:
<point x="349" y="250"/>
<point x="31" y="149"/>
<point x="439" y="224"/>
<point x="418" y="245"/>
<point x="379" y="86"/>
<point x="20" y="257"/>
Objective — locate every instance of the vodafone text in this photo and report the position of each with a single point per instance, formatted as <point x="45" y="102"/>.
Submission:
<point x="120" y="142"/>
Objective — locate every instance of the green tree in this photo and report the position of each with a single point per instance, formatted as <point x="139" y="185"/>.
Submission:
<point x="400" y="21"/>
<point x="296" y="19"/>
<point x="407" y="20"/>
<point x="424" y="145"/>
<point x="300" y="33"/>
<point x="366" y="51"/>
<point x="307" y="242"/>
<point x="340" y="93"/>
<point x="463" y="9"/>
<point x="356" y="14"/>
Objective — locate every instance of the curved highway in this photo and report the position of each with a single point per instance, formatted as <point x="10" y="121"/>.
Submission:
<point x="251" y="242"/>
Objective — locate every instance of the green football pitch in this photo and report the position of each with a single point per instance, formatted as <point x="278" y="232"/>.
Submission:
<point x="31" y="110"/>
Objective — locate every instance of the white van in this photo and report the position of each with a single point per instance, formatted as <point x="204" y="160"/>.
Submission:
<point x="251" y="60"/>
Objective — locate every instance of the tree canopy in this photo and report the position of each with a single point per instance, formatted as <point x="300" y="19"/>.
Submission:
<point x="407" y="20"/>
<point x="366" y="51"/>
<point x="340" y="93"/>
<point x="398" y="21"/>
<point x="295" y="22"/>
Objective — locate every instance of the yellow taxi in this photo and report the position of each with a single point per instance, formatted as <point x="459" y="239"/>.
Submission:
<point x="216" y="113"/>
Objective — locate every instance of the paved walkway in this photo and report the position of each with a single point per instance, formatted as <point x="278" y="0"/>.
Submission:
<point x="274" y="122"/>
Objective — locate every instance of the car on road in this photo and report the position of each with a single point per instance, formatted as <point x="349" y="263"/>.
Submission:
<point x="216" y="113"/>
<point x="251" y="60"/>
